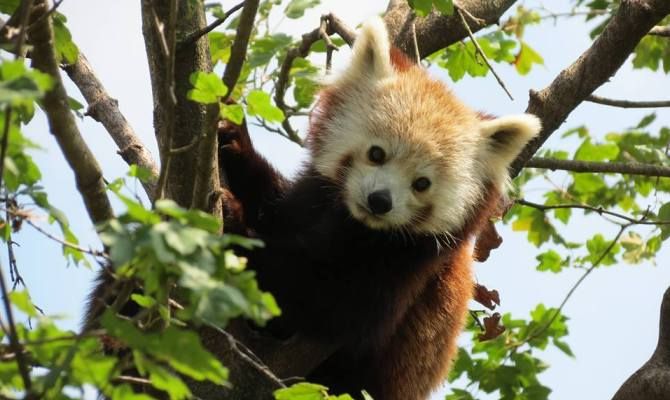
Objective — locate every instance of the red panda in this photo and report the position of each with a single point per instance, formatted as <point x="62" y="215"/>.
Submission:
<point x="370" y="245"/>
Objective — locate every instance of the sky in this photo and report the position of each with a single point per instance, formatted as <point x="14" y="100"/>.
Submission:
<point x="613" y="315"/>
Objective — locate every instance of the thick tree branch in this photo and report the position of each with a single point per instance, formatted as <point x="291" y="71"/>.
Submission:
<point x="88" y="174"/>
<point x="105" y="109"/>
<point x="594" y="67"/>
<point x="627" y="103"/>
<point x="191" y="120"/>
<point x="206" y="190"/>
<point x="438" y="31"/>
<point x="602" y="167"/>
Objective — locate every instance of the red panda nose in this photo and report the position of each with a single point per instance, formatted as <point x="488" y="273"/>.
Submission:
<point x="380" y="202"/>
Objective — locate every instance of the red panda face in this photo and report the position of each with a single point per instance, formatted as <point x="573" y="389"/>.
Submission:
<point x="406" y="153"/>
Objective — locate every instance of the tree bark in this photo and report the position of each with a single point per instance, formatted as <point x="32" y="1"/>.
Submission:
<point x="191" y="120"/>
<point x="437" y="31"/>
<point x="87" y="171"/>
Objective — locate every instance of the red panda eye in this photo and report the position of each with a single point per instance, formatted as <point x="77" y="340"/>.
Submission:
<point x="421" y="184"/>
<point x="376" y="155"/>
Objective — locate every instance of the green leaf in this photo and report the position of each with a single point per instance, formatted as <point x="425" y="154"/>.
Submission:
<point x="232" y="112"/>
<point x="263" y="49"/>
<point x="304" y="91"/>
<point x="526" y="58"/>
<point x="66" y="50"/>
<point x="141" y="173"/>
<point x="587" y="183"/>
<point x="296" y="8"/>
<point x="179" y="348"/>
<point x="302" y="391"/>
<point x="550" y="261"/>
<point x="421" y="7"/>
<point x="219" y="46"/>
<point x="9" y="6"/>
<point x="459" y="394"/>
<point x="646" y="121"/>
<point x="21" y="299"/>
<point x="166" y="381"/>
<point x="207" y="87"/>
<point x="143" y="301"/>
<point x="259" y="104"/>
<point x="597" y="247"/>
<point x="596" y="152"/>
<point x="446" y="7"/>
<point x="664" y="215"/>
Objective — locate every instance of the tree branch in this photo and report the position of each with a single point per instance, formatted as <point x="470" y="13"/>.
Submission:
<point x="238" y="51"/>
<point x="190" y="39"/>
<point x="207" y="187"/>
<point x="105" y="109"/>
<point x="62" y="125"/>
<point x="438" y="31"/>
<point x="597" y="210"/>
<point x="191" y="120"/>
<point x="333" y="25"/>
<point x="627" y="103"/>
<point x="481" y="53"/>
<point x="594" y="67"/>
<point x="593" y="166"/>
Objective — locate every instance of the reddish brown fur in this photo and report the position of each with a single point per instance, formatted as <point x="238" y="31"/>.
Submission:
<point x="410" y="351"/>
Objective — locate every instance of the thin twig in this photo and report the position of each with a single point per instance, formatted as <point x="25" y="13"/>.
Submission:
<point x="598" y="210"/>
<point x="13" y="336"/>
<point x="478" y="21"/>
<point x="193" y="37"/>
<point x="186" y="147"/>
<point x="95" y="253"/>
<point x="133" y="380"/>
<point x="248" y="356"/>
<point x="660" y="31"/>
<point x="628" y="103"/>
<point x="334" y="25"/>
<point x="330" y="46"/>
<point x="481" y="52"/>
<point x="594" y="166"/>
<point x="14" y="274"/>
<point x="574" y="287"/>
<point x="417" y="54"/>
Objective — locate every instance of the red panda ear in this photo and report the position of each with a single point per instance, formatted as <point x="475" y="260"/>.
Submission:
<point x="371" y="60"/>
<point x="505" y="137"/>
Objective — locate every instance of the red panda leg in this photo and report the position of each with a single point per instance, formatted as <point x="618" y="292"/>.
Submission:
<point x="249" y="176"/>
<point x="418" y="357"/>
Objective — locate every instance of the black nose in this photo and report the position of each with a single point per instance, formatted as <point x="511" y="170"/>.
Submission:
<point x="380" y="202"/>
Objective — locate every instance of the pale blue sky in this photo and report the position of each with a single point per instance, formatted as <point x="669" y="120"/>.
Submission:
<point x="614" y="314"/>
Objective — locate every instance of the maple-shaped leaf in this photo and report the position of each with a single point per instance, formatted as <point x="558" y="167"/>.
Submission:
<point x="485" y="297"/>
<point x="487" y="240"/>
<point x="492" y="328"/>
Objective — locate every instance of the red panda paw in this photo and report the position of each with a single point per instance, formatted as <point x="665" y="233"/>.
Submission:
<point x="234" y="138"/>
